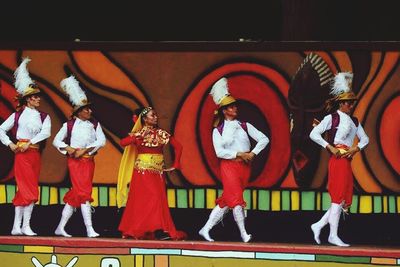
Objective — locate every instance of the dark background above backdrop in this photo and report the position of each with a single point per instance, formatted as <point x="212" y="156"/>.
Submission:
<point x="273" y="20"/>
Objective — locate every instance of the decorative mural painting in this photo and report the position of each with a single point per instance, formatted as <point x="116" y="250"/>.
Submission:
<point x="281" y="92"/>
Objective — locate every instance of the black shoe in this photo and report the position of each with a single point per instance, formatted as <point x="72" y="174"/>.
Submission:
<point x="161" y="235"/>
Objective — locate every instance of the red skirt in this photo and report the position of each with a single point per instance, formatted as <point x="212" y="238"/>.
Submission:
<point x="81" y="172"/>
<point x="235" y="176"/>
<point x="27" y="171"/>
<point x="340" y="180"/>
<point x="147" y="208"/>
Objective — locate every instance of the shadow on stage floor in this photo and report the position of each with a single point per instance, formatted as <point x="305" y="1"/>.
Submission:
<point x="269" y="227"/>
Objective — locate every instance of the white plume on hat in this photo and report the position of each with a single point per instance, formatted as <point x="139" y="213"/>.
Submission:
<point x="22" y="78"/>
<point x="75" y="93"/>
<point x="219" y="90"/>
<point x="341" y="83"/>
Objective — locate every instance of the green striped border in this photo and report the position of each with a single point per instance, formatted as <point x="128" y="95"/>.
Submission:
<point x="256" y="199"/>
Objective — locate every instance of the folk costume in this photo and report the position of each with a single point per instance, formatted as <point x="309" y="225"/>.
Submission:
<point x="26" y="125"/>
<point x="141" y="174"/>
<point x="78" y="134"/>
<point x="229" y="138"/>
<point x="342" y="130"/>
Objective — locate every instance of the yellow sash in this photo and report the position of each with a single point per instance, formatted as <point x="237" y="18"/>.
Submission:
<point x="126" y="168"/>
<point x="22" y="142"/>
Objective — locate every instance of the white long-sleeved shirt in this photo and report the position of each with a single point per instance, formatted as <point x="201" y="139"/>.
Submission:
<point x="234" y="139"/>
<point x="30" y="127"/>
<point x="83" y="135"/>
<point x="346" y="131"/>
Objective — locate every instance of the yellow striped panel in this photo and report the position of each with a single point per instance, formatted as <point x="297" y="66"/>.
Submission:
<point x="95" y="196"/>
<point x="139" y="261"/>
<point x="385" y="204"/>
<point x="398" y="204"/>
<point x="211" y="196"/>
<point x="254" y="201"/>
<point x="53" y="199"/>
<point x="38" y="249"/>
<point x="384" y="261"/>
<point x="112" y="196"/>
<point x="3" y="197"/>
<point x="276" y="201"/>
<point x="295" y="200"/>
<point x="365" y="204"/>
<point x="171" y="198"/>
<point x="39" y="193"/>
<point x="161" y="261"/>
<point x="318" y="201"/>
<point x="190" y="198"/>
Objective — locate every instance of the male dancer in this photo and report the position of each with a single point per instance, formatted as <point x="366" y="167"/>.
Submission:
<point x="79" y="138"/>
<point x="29" y="128"/>
<point x="232" y="146"/>
<point x="342" y="129"/>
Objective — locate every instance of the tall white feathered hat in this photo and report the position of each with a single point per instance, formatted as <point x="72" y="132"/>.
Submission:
<point x="341" y="87"/>
<point x="23" y="83"/>
<point x="76" y="95"/>
<point x="220" y="93"/>
<point x="221" y="96"/>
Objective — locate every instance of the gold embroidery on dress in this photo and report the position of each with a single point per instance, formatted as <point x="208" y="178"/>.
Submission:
<point x="153" y="137"/>
<point x="150" y="162"/>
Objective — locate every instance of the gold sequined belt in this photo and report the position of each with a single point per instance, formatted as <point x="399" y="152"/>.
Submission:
<point x="21" y="142"/>
<point x="342" y="148"/>
<point x="149" y="162"/>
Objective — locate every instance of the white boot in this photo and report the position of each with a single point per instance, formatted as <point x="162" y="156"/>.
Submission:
<point x="65" y="215"/>
<point x="238" y="215"/>
<point x="334" y="217"/>
<point x="316" y="227"/>
<point x="16" y="230"/>
<point x="215" y="217"/>
<point x="26" y="228"/>
<point x="87" y="218"/>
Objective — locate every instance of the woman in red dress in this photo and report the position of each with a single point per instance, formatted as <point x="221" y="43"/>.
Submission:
<point x="146" y="215"/>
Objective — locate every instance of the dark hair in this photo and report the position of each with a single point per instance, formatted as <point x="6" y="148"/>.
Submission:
<point x="331" y="105"/>
<point x="75" y="113"/>
<point x="23" y="100"/>
<point x="220" y="114"/>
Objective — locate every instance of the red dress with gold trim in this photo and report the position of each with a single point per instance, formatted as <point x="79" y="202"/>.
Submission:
<point x="147" y="208"/>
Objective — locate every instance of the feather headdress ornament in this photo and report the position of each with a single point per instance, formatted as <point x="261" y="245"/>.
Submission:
<point x="76" y="95"/>
<point x="221" y="97"/>
<point x="24" y="85"/>
<point x="341" y="89"/>
<point x="341" y="83"/>
<point x="220" y="93"/>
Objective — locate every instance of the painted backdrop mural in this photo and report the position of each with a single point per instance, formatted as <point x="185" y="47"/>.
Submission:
<point x="281" y="94"/>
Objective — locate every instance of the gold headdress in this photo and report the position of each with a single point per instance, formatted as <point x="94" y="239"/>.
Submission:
<point x="221" y="97"/>
<point x="76" y="95"/>
<point x="23" y="83"/>
<point x="341" y="89"/>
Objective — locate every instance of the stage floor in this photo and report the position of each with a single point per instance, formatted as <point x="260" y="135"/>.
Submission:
<point x="168" y="252"/>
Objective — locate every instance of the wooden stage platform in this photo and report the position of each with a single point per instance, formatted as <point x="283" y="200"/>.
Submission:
<point x="113" y="252"/>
